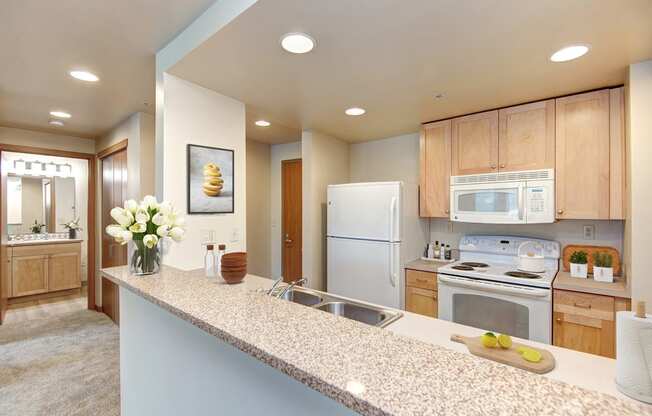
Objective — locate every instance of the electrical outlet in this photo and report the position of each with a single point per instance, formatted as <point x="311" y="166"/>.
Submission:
<point x="235" y="235"/>
<point x="589" y="232"/>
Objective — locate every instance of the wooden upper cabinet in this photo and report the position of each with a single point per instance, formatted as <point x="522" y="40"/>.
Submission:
<point x="527" y="137"/>
<point x="475" y="143"/>
<point x="617" y="176"/>
<point x="582" y="156"/>
<point x="435" y="168"/>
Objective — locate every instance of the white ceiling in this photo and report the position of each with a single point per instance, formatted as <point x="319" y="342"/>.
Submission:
<point x="391" y="57"/>
<point x="40" y="41"/>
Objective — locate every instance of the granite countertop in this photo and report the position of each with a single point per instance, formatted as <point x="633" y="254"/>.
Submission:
<point x="16" y="243"/>
<point x="426" y="265"/>
<point x="618" y="288"/>
<point x="335" y="356"/>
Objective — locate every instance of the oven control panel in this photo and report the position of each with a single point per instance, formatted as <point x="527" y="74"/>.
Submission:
<point x="506" y="245"/>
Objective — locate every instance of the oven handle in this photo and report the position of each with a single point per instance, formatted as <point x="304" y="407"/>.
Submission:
<point x="495" y="288"/>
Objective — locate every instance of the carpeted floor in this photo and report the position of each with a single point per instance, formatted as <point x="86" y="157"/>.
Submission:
<point x="65" y="365"/>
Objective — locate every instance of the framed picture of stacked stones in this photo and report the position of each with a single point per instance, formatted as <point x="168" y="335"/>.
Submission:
<point x="210" y="180"/>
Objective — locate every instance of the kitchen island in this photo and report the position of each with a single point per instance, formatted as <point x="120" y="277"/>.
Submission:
<point x="192" y="345"/>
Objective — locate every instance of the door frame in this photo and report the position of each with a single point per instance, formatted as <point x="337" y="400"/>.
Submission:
<point x="90" y="215"/>
<point x="283" y="163"/>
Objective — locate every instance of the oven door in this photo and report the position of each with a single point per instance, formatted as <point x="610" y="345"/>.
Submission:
<point x="520" y="311"/>
<point x="490" y="203"/>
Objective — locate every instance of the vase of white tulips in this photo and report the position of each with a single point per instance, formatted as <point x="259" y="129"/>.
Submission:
<point x="144" y="227"/>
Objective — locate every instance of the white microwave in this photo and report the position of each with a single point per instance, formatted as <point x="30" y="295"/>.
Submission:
<point x="526" y="197"/>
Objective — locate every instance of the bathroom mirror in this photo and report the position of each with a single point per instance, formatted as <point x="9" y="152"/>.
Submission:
<point x="37" y="201"/>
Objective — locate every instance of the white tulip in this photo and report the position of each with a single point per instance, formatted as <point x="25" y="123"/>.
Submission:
<point x="114" y="230"/>
<point x="138" y="227"/>
<point x="150" y="202"/>
<point x="165" y="207"/>
<point x="150" y="240"/>
<point x="122" y="217"/>
<point x="142" y="216"/>
<point x="131" y="206"/>
<point x="177" y="233"/>
<point x="179" y="221"/>
<point x="163" y="230"/>
<point x="126" y="236"/>
<point x="159" y="218"/>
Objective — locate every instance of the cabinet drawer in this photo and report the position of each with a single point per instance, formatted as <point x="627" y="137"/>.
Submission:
<point x="584" y="304"/>
<point x="421" y="301"/>
<point x="423" y="280"/>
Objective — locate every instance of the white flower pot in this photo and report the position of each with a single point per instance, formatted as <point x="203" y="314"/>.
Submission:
<point x="603" y="274"/>
<point x="579" y="270"/>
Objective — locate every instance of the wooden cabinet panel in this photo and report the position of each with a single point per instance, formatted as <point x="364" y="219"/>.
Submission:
<point x="423" y="280"/>
<point x="617" y="161"/>
<point x="29" y="275"/>
<point x="585" y="322"/>
<point x="111" y="300"/>
<point x="527" y="137"/>
<point x="435" y="169"/>
<point x="421" y="301"/>
<point x="582" y="156"/>
<point x="475" y="143"/>
<point x="64" y="271"/>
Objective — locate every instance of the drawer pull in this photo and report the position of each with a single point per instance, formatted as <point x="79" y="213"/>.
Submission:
<point x="559" y="321"/>
<point x="422" y="281"/>
<point x="582" y="305"/>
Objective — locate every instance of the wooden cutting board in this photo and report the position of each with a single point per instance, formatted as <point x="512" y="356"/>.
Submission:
<point x="507" y="356"/>
<point x="571" y="248"/>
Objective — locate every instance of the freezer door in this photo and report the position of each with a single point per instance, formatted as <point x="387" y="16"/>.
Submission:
<point x="370" y="211"/>
<point x="364" y="270"/>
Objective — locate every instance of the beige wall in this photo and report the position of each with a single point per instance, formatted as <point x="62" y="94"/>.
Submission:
<point x="32" y="138"/>
<point x="258" y="208"/>
<point x="639" y="216"/>
<point x="391" y="159"/>
<point x="325" y="162"/>
<point x="196" y="115"/>
<point x="279" y="153"/>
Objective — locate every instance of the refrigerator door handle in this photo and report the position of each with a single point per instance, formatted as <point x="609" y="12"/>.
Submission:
<point x="392" y="275"/>
<point x="392" y="215"/>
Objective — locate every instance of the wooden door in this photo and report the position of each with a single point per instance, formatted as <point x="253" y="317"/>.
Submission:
<point x="29" y="275"/>
<point x="475" y="143"/>
<point x="114" y="193"/>
<point x="64" y="271"/>
<point x="582" y="156"/>
<point x="291" y="217"/>
<point x="527" y="137"/>
<point x="435" y="168"/>
<point x="421" y="301"/>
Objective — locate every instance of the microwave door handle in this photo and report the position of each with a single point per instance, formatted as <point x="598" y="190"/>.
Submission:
<point x="495" y="288"/>
<point x="521" y="201"/>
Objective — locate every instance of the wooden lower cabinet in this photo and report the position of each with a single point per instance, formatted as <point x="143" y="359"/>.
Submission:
<point x="421" y="292"/>
<point x="29" y="275"/>
<point x="586" y="322"/>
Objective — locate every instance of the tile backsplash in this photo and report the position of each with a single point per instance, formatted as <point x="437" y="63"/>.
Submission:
<point x="607" y="233"/>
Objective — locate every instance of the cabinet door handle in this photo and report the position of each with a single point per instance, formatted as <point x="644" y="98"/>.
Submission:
<point x="447" y="211"/>
<point x="560" y="211"/>
<point x="493" y="166"/>
<point x="582" y="305"/>
<point x="434" y="297"/>
<point x="502" y="166"/>
<point x="559" y="321"/>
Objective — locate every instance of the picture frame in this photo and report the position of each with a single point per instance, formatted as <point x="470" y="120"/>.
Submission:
<point x="210" y="180"/>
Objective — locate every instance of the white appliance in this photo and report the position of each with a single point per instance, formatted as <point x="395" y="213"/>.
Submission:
<point x="372" y="229"/>
<point x="485" y="289"/>
<point x="526" y="197"/>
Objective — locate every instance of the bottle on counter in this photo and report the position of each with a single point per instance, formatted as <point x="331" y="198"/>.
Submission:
<point x="209" y="261"/>
<point x="430" y="252"/>
<point x="436" y="251"/>
<point x="442" y="251"/>
<point x="449" y="253"/>
<point x="221" y="249"/>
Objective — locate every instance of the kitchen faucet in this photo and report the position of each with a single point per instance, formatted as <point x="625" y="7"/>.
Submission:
<point x="291" y="285"/>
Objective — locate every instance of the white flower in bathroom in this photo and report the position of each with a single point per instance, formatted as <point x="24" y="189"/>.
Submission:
<point x="150" y="240"/>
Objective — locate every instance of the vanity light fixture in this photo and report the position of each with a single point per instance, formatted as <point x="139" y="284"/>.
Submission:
<point x="84" y="76"/>
<point x="56" y="122"/>
<point x="263" y="123"/>
<point x="65" y="170"/>
<point x="19" y="166"/>
<point x="355" y="111"/>
<point x="297" y="42"/>
<point x="51" y="169"/>
<point x="568" y="53"/>
<point x="60" y="114"/>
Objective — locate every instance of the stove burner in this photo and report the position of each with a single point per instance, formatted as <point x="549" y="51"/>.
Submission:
<point x="462" y="267"/>
<point x="474" y="264"/>
<point x="523" y="275"/>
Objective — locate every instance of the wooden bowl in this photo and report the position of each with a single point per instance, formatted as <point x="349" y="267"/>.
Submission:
<point x="234" y="263"/>
<point x="238" y="256"/>
<point x="233" y="277"/>
<point x="234" y="269"/>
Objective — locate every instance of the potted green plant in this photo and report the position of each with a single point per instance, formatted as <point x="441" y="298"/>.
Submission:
<point x="36" y="227"/>
<point x="603" y="267"/>
<point x="72" y="228"/>
<point x="579" y="264"/>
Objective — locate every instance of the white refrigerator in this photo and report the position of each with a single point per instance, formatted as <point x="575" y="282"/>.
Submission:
<point x="372" y="230"/>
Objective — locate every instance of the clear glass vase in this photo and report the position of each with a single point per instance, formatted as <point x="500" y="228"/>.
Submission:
<point x="142" y="259"/>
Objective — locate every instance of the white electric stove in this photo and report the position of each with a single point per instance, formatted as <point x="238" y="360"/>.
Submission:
<point x="486" y="289"/>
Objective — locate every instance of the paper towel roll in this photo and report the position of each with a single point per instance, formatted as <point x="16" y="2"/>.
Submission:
<point x="634" y="356"/>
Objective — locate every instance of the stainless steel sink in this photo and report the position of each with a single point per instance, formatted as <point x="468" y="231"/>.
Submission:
<point x="303" y="297"/>
<point x="367" y="314"/>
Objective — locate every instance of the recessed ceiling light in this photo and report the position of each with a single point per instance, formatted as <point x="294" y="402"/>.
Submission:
<point x="56" y="122"/>
<point x="60" y="114"/>
<point x="84" y="76"/>
<point x="355" y="111"/>
<point x="297" y="42"/>
<point x="569" y="53"/>
<point x="263" y="123"/>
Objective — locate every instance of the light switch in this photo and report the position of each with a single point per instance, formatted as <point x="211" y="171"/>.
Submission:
<point x="235" y="235"/>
